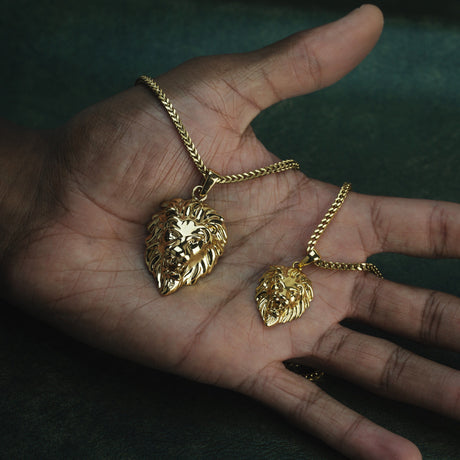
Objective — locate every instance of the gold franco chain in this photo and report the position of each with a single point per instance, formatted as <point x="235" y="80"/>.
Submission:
<point x="195" y="156"/>
<point x="332" y="211"/>
<point x="314" y="257"/>
<point x="360" y="267"/>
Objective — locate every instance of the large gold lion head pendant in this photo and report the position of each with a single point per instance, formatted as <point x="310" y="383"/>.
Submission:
<point x="185" y="240"/>
<point x="283" y="294"/>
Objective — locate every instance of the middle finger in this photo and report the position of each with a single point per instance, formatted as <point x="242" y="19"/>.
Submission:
<point x="420" y="314"/>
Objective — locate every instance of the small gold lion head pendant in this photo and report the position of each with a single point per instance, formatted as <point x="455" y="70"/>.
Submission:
<point x="283" y="294"/>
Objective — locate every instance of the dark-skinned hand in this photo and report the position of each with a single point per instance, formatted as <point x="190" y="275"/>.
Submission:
<point x="95" y="182"/>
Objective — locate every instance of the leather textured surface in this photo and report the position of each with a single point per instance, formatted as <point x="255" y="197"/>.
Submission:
<point x="391" y="127"/>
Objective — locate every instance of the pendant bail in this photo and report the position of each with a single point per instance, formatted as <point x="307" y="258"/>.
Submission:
<point x="200" y="192"/>
<point x="311" y="257"/>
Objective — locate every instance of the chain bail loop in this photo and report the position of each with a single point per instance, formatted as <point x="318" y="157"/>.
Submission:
<point x="200" y="192"/>
<point x="311" y="257"/>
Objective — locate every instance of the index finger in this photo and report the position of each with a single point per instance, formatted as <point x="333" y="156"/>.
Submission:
<point x="413" y="227"/>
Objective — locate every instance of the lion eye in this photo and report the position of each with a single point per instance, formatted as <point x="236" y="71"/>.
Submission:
<point x="194" y="241"/>
<point x="169" y="235"/>
<point x="279" y="286"/>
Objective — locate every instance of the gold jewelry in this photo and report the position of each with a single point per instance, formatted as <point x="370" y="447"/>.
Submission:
<point x="284" y="293"/>
<point x="187" y="237"/>
<point x="305" y="371"/>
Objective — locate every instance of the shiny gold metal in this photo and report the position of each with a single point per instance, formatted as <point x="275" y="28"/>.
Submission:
<point x="283" y="294"/>
<point x="187" y="237"/>
<point x="185" y="240"/>
<point x="305" y="371"/>
<point x="311" y="257"/>
<point x="312" y="254"/>
<point x="276" y="308"/>
<point x="209" y="181"/>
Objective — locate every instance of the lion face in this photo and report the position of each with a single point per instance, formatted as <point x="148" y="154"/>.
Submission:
<point x="283" y="294"/>
<point x="186" y="239"/>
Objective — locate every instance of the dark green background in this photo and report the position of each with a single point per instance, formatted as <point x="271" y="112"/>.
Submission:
<point x="391" y="127"/>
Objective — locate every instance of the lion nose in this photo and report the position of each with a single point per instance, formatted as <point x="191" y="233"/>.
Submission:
<point x="177" y="255"/>
<point x="173" y="254"/>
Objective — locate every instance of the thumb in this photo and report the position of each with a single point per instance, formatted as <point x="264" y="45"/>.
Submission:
<point x="299" y="64"/>
<point x="309" y="60"/>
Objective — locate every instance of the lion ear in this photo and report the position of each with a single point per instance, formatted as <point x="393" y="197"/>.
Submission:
<point x="170" y="212"/>
<point x="152" y="225"/>
<point x="172" y="207"/>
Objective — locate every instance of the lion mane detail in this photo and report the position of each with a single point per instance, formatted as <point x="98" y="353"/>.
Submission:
<point x="185" y="240"/>
<point x="283" y="294"/>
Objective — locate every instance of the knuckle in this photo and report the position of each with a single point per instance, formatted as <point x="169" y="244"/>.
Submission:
<point x="358" y="293"/>
<point x="310" y="398"/>
<point x="331" y="343"/>
<point x="380" y="225"/>
<point x="352" y="431"/>
<point x="431" y="319"/>
<point x="393" y="369"/>
<point x="365" y="294"/>
<point x="438" y="230"/>
<point x="306" y="65"/>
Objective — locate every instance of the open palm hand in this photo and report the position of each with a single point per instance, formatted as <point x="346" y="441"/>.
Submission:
<point x="116" y="162"/>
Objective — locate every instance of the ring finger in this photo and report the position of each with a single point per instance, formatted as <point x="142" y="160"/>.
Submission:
<point x="388" y="369"/>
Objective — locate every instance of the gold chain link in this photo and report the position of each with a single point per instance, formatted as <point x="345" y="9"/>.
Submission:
<point x="360" y="267"/>
<point x="314" y="257"/>
<point x="195" y="156"/>
<point x="332" y="211"/>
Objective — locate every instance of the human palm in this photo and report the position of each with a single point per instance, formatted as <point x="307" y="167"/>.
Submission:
<point x="84" y="266"/>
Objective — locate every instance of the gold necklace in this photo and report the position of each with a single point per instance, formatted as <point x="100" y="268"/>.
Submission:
<point x="284" y="293"/>
<point x="187" y="237"/>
